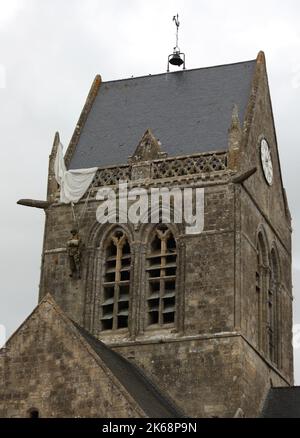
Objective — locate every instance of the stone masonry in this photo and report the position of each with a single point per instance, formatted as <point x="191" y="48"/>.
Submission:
<point x="212" y="362"/>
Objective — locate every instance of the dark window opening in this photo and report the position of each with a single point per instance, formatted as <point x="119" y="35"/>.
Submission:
<point x="107" y="311"/>
<point x="171" y="244"/>
<point x="124" y="293"/>
<point x="107" y="324"/>
<point x="171" y="259"/>
<point x="126" y="249"/>
<point x="108" y="296"/>
<point x="155" y="246"/>
<point x="122" y="322"/>
<point x="111" y="250"/>
<point x="168" y="318"/>
<point x="109" y="277"/>
<point x="116" y="289"/>
<point x="273" y="331"/>
<point x="161" y="273"/>
<point x="153" y="317"/>
<point x="125" y="275"/>
<point x="259" y="295"/>
<point x="154" y="288"/>
<point x="125" y="261"/>
<point x="154" y="273"/>
<point x="267" y="307"/>
<point x="171" y="272"/>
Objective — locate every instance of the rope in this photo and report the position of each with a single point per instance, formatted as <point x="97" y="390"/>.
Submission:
<point x="80" y="218"/>
<point x="74" y="215"/>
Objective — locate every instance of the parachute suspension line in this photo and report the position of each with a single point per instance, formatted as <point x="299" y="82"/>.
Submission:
<point x="78" y="220"/>
<point x="84" y="210"/>
<point x="74" y="215"/>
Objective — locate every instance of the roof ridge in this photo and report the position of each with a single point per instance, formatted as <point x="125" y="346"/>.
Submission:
<point x="182" y="110"/>
<point x="178" y="72"/>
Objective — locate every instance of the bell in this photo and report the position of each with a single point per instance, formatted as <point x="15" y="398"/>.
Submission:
<point x="176" y="60"/>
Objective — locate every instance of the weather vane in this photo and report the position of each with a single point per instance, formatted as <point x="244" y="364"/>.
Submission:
<point x="177" y="23"/>
<point x="176" y="58"/>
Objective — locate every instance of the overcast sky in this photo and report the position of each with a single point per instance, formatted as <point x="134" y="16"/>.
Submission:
<point x="50" y="51"/>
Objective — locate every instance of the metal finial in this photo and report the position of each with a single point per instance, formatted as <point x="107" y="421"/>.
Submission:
<point x="177" y="23"/>
<point x="177" y="58"/>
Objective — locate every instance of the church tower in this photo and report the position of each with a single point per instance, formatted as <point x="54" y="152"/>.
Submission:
<point x="207" y="316"/>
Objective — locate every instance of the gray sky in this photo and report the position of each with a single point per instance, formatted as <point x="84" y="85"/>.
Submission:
<point x="50" y="51"/>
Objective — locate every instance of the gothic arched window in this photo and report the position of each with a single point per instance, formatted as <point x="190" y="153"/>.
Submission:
<point x="261" y="269"/>
<point x="273" y="311"/>
<point x="267" y="301"/>
<point x="161" y="278"/>
<point x="116" y="282"/>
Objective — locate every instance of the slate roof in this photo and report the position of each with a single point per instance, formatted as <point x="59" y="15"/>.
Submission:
<point x="143" y="391"/>
<point x="189" y="111"/>
<point x="282" y="403"/>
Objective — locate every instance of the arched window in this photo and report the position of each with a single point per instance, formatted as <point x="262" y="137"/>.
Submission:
<point x="116" y="282"/>
<point x="161" y="278"/>
<point x="272" y="310"/>
<point x="267" y="301"/>
<point x="261" y="269"/>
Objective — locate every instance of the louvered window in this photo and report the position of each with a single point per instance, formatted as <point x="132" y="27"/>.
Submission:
<point x="116" y="285"/>
<point x="161" y="276"/>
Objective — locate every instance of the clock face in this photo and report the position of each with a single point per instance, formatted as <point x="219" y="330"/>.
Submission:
<point x="266" y="161"/>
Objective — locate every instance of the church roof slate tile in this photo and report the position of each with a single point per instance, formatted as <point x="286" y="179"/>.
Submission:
<point x="282" y="403"/>
<point x="188" y="111"/>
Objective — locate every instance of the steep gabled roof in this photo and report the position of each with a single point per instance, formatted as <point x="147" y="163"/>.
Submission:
<point x="142" y="390"/>
<point x="148" y="399"/>
<point x="282" y="403"/>
<point x="188" y="111"/>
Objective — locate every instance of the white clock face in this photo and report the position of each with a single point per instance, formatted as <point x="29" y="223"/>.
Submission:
<point x="266" y="161"/>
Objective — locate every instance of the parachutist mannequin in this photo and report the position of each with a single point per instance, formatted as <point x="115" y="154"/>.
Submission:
<point x="74" y="248"/>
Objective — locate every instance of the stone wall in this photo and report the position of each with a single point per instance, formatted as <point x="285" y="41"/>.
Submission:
<point x="264" y="208"/>
<point x="208" y="376"/>
<point x="224" y="369"/>
<point x="46" y="366"/>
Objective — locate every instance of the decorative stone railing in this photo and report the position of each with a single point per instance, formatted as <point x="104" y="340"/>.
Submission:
<point x="163" y="168"/>
<point x="185" y="166"/>
<point x="112" y="175"/>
